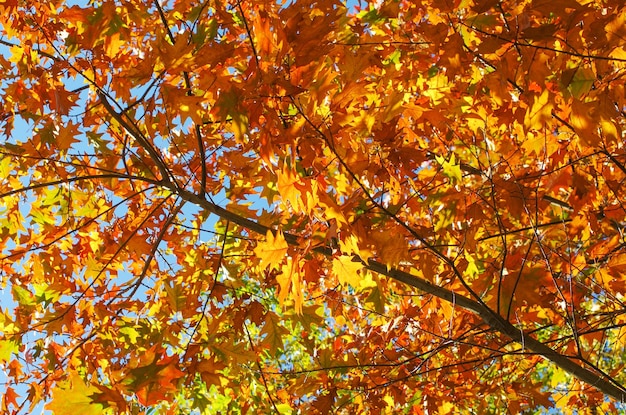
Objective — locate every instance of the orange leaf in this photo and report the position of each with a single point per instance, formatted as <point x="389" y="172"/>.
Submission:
<point x="272" y="251"/>
<point x="10" y="397"/>
<point x="290" y="281"/>
<point x="540" y="112"/>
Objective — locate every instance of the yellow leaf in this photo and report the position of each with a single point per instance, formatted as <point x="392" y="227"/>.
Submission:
<point x="609" y="129"/>
<point x="74" y="397"/>
<point x="287" y="181"/>
<point x="284" y="282"/>
<point x="132" y="334"/>
<point x="272" y="251"/>
<point x="7" y="348"/>
<point x="17" y="53"/>
<point x="540" y="111"/>
<point x="290" y="277"/>
<point x="472" y="269"/>
<point x="331" y="209"/>
<point x="619" y="54"/>
<point x="350" y="245"/>
<point x="584" y="124"/>
<point x="346" y="270"/>
<point x="391" y="248"/>
<point x="438" y="86"/>
<point x="535" y="144"/>
<point x="446" y="407"/>
<point x="450" y="168"/>
<point x="113" y="45"/>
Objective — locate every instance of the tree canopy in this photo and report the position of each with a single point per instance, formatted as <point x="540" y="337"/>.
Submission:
<point x="399" y="206"/>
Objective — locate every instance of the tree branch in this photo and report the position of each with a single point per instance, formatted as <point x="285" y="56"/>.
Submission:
<point x="493" y="320"/>
<point x="137" y="135"/>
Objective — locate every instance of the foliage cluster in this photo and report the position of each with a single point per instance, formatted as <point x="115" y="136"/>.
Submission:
<point x="405" y="206"/>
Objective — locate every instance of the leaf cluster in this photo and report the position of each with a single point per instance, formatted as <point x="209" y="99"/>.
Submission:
<point x="313" y="207"/>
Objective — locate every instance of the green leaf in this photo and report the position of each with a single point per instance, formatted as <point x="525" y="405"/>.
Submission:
<point x="274" y="333"/>
<point x="22" y="296"/>
<point x="284" y="408"/>
<point x="450" y="168"/>
<point x="582" y="82"/>
<point x="45" y="294"/>
<point x="393" y="58"/>
<point x="370" y="16"/>
<point x="132" y="334"/>
<point x="377" y="299"/>
<point x="7" y="348"/>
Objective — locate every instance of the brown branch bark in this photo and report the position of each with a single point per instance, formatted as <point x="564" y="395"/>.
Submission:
<point x="492" y="319"/>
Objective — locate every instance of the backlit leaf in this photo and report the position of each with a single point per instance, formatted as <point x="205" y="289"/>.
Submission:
<point x="347" y="271"/>
<point x="272" y="251"/>
<point x="74" y="397"/>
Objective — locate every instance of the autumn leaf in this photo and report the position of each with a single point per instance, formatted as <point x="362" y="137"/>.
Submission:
<point x="9" y="399"/>
<point x="287" y="187"/>
<point x="274" y="333"/>
<point x="391" y="249"/>
<point x="579" y="81"/>
<point x="290" y="284"/>
<point x="450" y="168"/>
<point x="324" y="403"/>
<point x="7" y="348"/>
<point x="209" y="370"/>
<point x="347" y="270"/>
<point x="539" y="112"/>
<point x="583" y="123"/>
<point x="272" y="251"/>
<point x="74" y="397"/>
<point x="272" y="207"/>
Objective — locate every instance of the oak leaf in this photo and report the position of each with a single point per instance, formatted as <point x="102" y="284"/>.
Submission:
<point x="346" y="269"/>
<point x="74" y="396"/>
<point x="272" y="251"/>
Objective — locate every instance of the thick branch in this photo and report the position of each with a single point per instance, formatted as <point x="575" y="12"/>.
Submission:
<point x="525" y="43"/>
<point x="137" y="135"/>
<point x="187" y="80"/>
<point x="493" y="320"/>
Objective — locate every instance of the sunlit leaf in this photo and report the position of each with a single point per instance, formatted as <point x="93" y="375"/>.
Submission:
<point x="347" y="271"/>
<point x="74" y="397"/>
<point x="272" y="251"/>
